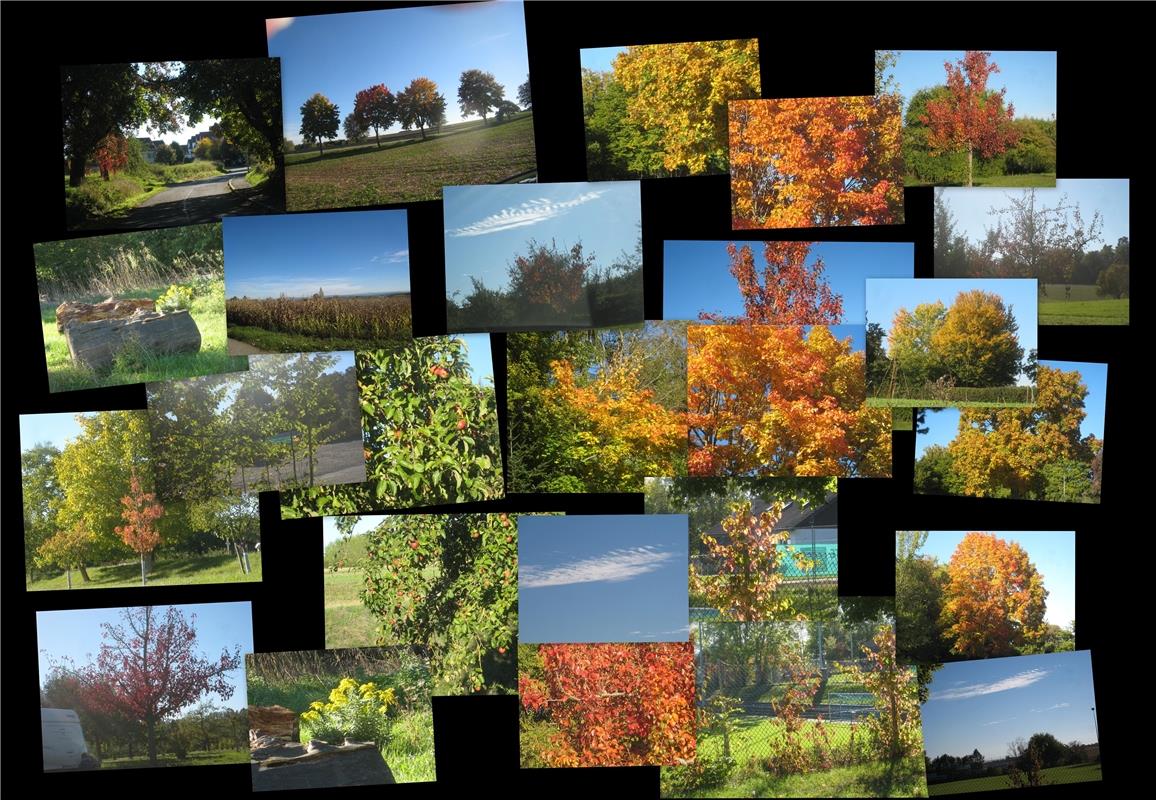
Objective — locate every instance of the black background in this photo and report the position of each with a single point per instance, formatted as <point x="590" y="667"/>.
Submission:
<point x="820" y="49"/>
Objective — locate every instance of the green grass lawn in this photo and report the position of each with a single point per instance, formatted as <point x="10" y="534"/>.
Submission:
<point x="409" y="170"/>
<point x="902" y="419"/>
<point x="208" y="312"/>
<point x="905" y="402"/>
<point x="1085" y="307"/>
<point x="905" y="779"/>
<point x="1055" y="775"/>
<point x="195" y="758"/>
<point x="1046" y="179"/>
<point x="167" y="571"/>
<point x="97" y="201"/>
<point x="754" y="736"/>
<point x="348" y="623"/>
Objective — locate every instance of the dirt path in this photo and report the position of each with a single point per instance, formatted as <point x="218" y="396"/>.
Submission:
<point x="239" y="348"/>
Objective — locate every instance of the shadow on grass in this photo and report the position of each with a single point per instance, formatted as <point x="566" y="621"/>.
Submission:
<point x="430" y="137"/>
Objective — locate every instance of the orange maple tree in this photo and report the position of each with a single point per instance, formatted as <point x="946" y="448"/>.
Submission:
<point x="778" y="401"/>
<point x="970" y="118"/>
<point x="615" y="704"/>
<point x="622" y="428"/>
<point x="141" y="512"/>
<point x="994" y="600"/>
<point x="788" y="291"/>
<point x="803" y="162"/>
<point x="111" y="154"/>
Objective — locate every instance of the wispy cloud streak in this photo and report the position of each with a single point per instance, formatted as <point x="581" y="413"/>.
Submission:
<point x="614" y="567"/>
<point x="529" y="213"/>
<point x="1017" y="681"/>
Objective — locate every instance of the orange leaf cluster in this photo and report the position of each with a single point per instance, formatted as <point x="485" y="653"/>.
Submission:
<point x="616" y="704"/>
<point x="972" y="118"/>
<point x="789" y="293"/>
<point x="777" y="401"/>
<point x="816" y="161"/>
<point x="140" y="515"/>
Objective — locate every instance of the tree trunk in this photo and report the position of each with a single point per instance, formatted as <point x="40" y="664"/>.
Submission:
<point x="293" y="452"/>
<point x="237" y="553"/>
<point x="244" y="487"/>
<point x="84" y="573"/>
<point x="377" y="136"/>
<point x="894" y="724"/>
<point x="245" y="558"/>
<point x="68" y="572"/>
<point x="143" y="581"/>
<point x="151" y="729"/>
<point x="321" y="146"/>
<point x="76" y="171"/>
<point x="969" y="158"/>
<point x="312" y="452"/>
<point x="422" y="129"/>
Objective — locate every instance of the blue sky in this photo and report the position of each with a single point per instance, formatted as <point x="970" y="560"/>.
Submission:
<point x="858" y="334"/>
<point x="886" y="296"/>
<point x="77" y="635"/>
<point x="1109" y="196"/>
<point x="55" y="429"/>
<point x="943" y="425"/>
<point x="338" y="55"/>
<point x="601" y="59"/>
<point x="486" y="227"/>
<point x="479" y="356"/>
<point x="986" y="704"/>
<point x="347" y="253"/>
<point x="1028" y="76"/>
<point x="696" y="274"/>
<point x="603" y="578"/>
<point x="1053" y="553"/>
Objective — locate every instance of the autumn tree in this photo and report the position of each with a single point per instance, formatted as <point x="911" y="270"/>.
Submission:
<point x="141" y="512"/>
<point x="680" y="93"/>
<point x="148" y="669"/>
<point x="376" y="108"/>
<point x="352" y="129"/>
<point x="623" y="432"/>
<point x="896" y="728"/>
<point x="749" y="562"/>
<point x="778" y="401"/>
<point x="549" y="277"/>
<point x="615" y="704"/>
<point x="970" y="119"/>
<point x="994" y="600"/>
<point x="420" y="106"/>
<point x="804" y="162"/>
<point x="787" y="292"/>
<point x="524" y="98"/>
<point x="478" y="92"/>
<point x="111" y="154"/>
<point x="1036" y="240"/>
<point x="69" y="549"/>
<point x="319" y="120"/>
<point x="1002" y="452"/>
<point x="978" y="342"/>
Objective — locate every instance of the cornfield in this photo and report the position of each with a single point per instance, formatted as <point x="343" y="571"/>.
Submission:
<point x="367" y="318"/>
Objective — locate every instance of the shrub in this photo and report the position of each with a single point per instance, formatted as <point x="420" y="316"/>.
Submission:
<point x="356" y="712"/>
<point x="177" y="298"/>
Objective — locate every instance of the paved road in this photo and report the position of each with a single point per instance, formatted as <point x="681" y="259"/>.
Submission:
<point x="206" y="200"/>
<point x="340" y="462"/>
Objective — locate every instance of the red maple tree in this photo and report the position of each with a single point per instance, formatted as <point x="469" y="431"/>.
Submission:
<point x="376" y="108"/>
<point x="972" y="118"/>
<point x="140" y="515"/>
<point x="616" y="704"/>
<point x="111" y="154"/>
<point x="788" y="291"/>
<point x="148" y="669"/>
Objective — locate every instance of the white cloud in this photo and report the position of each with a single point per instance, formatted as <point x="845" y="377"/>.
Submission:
<point x="529" y="213"/>
<point x="998" y="722"/>
<point x="1050" y="708"/>
<point x="612" y="567"/>
<point x="1017" y="681"/>
<point x="396" y="257"/>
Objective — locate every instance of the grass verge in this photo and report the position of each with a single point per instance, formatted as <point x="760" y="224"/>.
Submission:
<point x="167" y="571"/>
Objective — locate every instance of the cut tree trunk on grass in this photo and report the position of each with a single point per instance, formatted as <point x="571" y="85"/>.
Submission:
<point x="70" y="311"/>
<point x="96" y="344"/>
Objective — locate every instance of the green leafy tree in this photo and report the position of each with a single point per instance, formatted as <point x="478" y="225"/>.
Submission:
<point x="478" y="92"/>
<point x="919" y="583"/>
<point x="351" y="127"/>
<point x="319" y="120"/>
<point x="41" y="495"/>
<point x="448" y="583"/>
<point x="244" y="94"/>
<point x="524" y="98"/>
<point x="895" y="727"/>
<point x="430" y="434"/>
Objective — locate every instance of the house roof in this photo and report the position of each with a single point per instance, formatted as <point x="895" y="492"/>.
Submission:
<point x="795" y="516"/>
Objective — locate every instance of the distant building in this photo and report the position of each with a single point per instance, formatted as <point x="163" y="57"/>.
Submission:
<point x="196" y="137"/>
<point x="148" y="148"/>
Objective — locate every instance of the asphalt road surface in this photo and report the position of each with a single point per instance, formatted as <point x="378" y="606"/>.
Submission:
<point x="206" y="200"/>
<point x="340" y="462"/>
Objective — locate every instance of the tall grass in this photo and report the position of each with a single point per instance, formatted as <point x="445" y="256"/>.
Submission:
<point x="345" y="317"/>
<point x="134" y="268"/>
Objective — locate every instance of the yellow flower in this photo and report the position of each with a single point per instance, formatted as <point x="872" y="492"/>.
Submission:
<point x="337" y="698"/>
<point x="367" y="688"/>
<point x="316" y="704"/>
<point x="310" y="716"/>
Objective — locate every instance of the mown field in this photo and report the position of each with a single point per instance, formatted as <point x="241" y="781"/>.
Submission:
<point x="1085" y="307"/>
<point x="1078" y="773"/>
<point x="1044" y="179"/>
<point x="195" y="758"/>
<point x="284" y="325"/>
<point x="180" y="571"/>
<point x="905" y="779"/>
<point x="348" y="623"/>
<point x="412" y="169"/>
